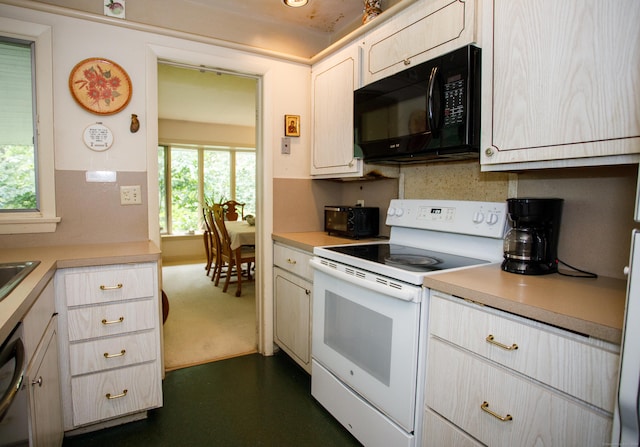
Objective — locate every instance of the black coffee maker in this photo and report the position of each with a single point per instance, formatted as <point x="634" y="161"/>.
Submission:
<point x="531" y="245"/>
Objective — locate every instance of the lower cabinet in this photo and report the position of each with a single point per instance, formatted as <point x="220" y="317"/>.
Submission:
<point x="501" y="380"/>
<point x="109" y="320"/>
<point x="293" y="303"/>
<point x="42" y="379"/>
<point x="45" y="401"/>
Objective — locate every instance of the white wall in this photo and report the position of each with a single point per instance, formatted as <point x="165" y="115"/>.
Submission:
<point x="284" y="89"/>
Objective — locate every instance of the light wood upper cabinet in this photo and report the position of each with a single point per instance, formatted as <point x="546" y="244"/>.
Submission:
<point x="561" y="84"/>
<point x="425" y="30"/>
<point x="333" y="81"/>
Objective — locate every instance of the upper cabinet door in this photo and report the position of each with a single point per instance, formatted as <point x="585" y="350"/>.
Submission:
<point x="423" y="31"/>
<point x="561" y="83"/>
<point x="333" y="82"/>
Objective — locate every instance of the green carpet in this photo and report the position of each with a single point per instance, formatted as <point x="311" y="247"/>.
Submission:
<point x="239" y="402"/>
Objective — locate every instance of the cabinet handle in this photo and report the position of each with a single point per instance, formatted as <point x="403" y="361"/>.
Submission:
<point x="490" y="339"/>
<point x="116" y="396"/>
<point x="116" y="287"/>
<point x="119" y="320"/>
<point x="38" y="382"/>
<point x="307" y="291"/>
<point x="407" y="61"/>
<point x="291" y="261"/>
<point x="488" y="152"/>
<point x="110" y="356"/>
<point x="485" y="407"/>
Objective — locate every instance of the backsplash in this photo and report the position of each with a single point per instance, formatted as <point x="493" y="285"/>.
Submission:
<point x="597" y="218"/>
<point x="91" y="213"/>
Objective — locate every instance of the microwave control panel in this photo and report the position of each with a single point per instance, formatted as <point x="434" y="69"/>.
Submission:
<point x="454" y="99"/>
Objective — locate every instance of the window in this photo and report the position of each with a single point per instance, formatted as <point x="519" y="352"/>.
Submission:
<point x="27" y="187"/>
<point x="189" y="175"/>
<point x="17" y="143"/>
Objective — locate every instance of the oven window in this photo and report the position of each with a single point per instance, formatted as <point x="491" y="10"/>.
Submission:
<point x="359" y="334"/>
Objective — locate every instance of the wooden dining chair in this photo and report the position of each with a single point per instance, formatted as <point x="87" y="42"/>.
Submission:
<point x="233" y="210"/>
<point x="231" y="259"/>
<point x="214" y="244"/>
<point x="207" y="239"/>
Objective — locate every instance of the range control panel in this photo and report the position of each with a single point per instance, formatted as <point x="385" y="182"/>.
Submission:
<point x="488" y="219"/>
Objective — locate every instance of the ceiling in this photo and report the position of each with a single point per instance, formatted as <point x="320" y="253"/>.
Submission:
<point x="320" y="15"/>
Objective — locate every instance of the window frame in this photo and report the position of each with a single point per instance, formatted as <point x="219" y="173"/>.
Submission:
<point x="200" y="148"/>
<point x="43" y="220"/>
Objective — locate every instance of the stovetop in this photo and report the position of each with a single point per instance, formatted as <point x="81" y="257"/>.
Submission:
<point x="429" y="236"/>
<point x="407" y="258"/>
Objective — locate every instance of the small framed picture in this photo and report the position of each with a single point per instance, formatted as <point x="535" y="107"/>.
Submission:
<point x="292" y="125"/>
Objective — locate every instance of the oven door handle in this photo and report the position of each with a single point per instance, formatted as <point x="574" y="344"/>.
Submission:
<point x="408" y="293"/>
<point x="13" y="350"/>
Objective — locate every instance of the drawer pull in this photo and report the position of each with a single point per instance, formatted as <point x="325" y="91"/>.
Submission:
<point x="110" y="356"/>
<point x="485" y="407"/>
<point x="116" y="287"/>
<point x="291" y="261"/>
<point x="37" y="381"/>
<point x="116" y="396"/>
<point x="119" y="320"/>
<point x="491" y="340"/>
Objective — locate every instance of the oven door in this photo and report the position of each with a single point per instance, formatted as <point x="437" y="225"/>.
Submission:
<point x="369" y="341"/>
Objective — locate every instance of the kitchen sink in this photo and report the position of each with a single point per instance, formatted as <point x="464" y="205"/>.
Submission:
<point x="11" y="273"/>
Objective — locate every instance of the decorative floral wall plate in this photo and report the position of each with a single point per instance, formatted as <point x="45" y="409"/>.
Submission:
<point x="100" y="86"/>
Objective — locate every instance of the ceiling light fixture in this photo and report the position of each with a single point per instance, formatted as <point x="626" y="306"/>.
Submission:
<point x="295" y="3"/>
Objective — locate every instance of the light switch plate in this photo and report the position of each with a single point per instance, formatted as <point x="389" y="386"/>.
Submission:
<point x="286" y="145"/>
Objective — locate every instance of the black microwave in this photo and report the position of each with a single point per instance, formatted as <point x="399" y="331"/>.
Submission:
<point x="427" y="112"/>
<point x="351" y="221"/>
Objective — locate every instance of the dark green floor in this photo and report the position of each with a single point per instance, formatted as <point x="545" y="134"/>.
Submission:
<point x="244" y="401"/>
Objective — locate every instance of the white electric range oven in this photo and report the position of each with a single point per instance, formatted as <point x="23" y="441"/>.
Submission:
<point x="370" y="313"/>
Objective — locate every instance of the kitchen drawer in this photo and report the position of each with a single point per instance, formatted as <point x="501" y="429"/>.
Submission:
<point x="458" y="383"/>
<point x="90" y="402"/>
<point x="112" y="352"/>
<point x="295" y="261"/>
<point x="438" y="432"/>
<point x="569" y="362"/>
<point x="108" y="284"/>
<point x="112" y="319"/>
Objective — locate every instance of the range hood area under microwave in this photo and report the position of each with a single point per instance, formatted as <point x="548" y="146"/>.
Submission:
<point x="430" y="112"/>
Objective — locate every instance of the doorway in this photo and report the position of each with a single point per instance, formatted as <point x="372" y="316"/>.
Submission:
<point x="207" y="153"/>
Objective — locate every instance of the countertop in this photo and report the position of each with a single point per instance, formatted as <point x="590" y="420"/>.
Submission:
<point x="594" y="307"/>
<point x="308" y="240"/>
<point x="16" y="305"/>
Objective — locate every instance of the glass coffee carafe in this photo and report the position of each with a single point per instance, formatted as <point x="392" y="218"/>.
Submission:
<point x="525" y="244"/>
<point x="531" y="245"/>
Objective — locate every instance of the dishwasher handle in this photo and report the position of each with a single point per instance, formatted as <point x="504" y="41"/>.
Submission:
<point x="13" y="350"/>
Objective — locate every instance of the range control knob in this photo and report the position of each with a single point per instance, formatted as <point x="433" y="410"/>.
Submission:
<point x="492" y="219"/>
<point x="478" y="217"/>
<point x="399" y="212"/>
<point x="391" y="211"/>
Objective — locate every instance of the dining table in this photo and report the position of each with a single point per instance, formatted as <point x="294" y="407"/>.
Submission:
<point x="240" y="234"/>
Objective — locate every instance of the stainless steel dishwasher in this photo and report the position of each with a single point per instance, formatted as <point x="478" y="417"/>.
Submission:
<point x="14" y="417"/>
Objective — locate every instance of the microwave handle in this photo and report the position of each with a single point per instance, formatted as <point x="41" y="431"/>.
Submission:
<point x="433" y="122"/>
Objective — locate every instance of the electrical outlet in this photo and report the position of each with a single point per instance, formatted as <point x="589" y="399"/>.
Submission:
<point x="130" y="195"/>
